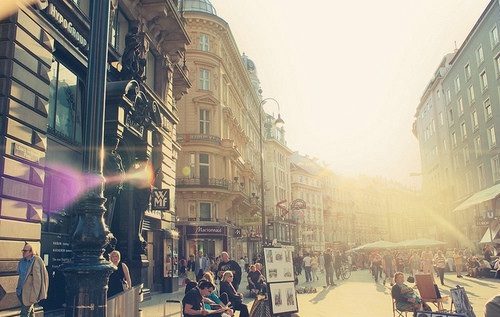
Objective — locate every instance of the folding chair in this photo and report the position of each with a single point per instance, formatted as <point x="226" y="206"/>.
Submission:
<point x="428" y="291"/>
<point x="398" y="313"/>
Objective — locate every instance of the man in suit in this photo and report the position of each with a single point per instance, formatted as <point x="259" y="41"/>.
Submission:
<point x="200" y="265"/>
<point x="329" y="267"/>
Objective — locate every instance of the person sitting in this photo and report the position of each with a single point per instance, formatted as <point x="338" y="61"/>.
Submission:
<point x="226" y="287"/>
<point x="192" y="302"/>
<point x="472" y="266"/>
<point x="405" y="297"/>
<point x="256" y="282"/>
<point x="484" y="268"/>
<point x="213" y="300"/>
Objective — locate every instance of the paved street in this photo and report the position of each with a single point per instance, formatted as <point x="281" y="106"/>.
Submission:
<point x="357" y="296"/>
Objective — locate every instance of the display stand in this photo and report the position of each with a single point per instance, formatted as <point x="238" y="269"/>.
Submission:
<point x="282" y="296"/>
<point x="461" y="302"/>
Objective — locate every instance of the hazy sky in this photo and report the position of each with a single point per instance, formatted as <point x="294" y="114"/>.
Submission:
<point x="349" y="75"/>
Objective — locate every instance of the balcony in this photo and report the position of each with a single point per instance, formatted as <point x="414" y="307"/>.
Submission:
<point x="219" y="183"/>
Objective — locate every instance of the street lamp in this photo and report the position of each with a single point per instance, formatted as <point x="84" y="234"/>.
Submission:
<point x="278" y="123"/>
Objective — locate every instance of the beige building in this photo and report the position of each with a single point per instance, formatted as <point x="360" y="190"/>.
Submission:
<point x="218" y="184"/>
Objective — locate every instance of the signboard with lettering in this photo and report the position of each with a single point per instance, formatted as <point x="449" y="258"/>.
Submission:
<point x="160" y="199"/>
<point x="237" y="233"/>
<point x="206" y="230"/>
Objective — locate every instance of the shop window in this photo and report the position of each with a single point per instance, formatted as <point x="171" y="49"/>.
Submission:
<point x="65" y="103"/>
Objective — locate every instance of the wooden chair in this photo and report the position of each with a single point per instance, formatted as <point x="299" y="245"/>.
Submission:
<point x="428" y="291"/>
<point x="398" y="313"/>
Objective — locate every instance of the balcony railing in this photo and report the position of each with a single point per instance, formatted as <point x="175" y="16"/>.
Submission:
<point x="220" y="183"/>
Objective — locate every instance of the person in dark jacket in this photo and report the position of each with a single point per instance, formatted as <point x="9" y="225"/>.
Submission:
<point x="236" y="299"/>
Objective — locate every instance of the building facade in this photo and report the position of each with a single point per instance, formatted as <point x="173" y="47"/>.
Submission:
<point x="44" y="56"/>
<point x="456" y="124"/>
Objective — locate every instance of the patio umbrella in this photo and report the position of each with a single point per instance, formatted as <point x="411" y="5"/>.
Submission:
<point x="381" y="244"/>
<point x="419" y="243"/>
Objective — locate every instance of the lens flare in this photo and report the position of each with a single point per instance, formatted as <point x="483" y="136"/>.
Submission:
<point x="141" y="175"/>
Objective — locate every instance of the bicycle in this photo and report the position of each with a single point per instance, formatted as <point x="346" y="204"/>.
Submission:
<point x="345" y="271"/>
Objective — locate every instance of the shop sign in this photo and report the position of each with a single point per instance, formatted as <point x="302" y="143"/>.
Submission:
<point x="205" y="230"/>
<point x="66" y="25"/>
<point x="480" y="221"/>
<point x="160" y="199"/>
<point x="237" y="233"/>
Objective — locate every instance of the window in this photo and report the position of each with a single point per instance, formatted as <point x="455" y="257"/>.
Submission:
<point x="467" y="72"/>
<point x="204" y="44"/>
<point x="448" y="96"/>
<point x="466" y="155"/>
<point x="454" y="139"/>
<point x="65" y="102"/>
<point x="450" y="117"/>
<point x="204" y="168"/>
<point x="460" y="106"/>
<point x="457" y="84"/>
<point x="463" y="128"/>
<point x="118" y="29"/>
<point x="488" y="112"/>
<point x="492" y="139"/>
<point x="468" y="182"/>
<point x="58" y="190"/>
<point x="494" y="36"/>
<point x="456" y="163"/>
<point x="483" y="80"/>
<point x="472" y="96"/>
<point x="204" y="79"/>
<point x="474" y="121"/>
<point x="205" y="211"/>
<point x="204" y="121"/>
<point x="477" y="147"/>
<point x="192" y="164"/>
<point x="441" y="118"/>
<point x="150" y="70"/>
<point x="481" y="176"/>
<point x="497" y="65"/>
<point x="495" y="167"/>
<point x="445" y="145"/>
<point x="479" y="55"/>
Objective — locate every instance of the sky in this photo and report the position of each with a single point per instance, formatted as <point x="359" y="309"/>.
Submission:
<point x="349" y="75"/>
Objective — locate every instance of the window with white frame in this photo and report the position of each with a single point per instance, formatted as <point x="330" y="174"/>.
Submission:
<point x="468" y="182"/>
<point x="477" y="147"/>
<point x="466" y="155"/>
<point x="441" y="118"/>
<point x="150" y="70"/>
<point x="204" y="168"/>
<point x="204" y="79"/>
<point x="492" y="138"/>
<point x="457" y="84"/>
<point x="205" y="211"/>
<point x="474" y="120"/>
<point x="467" y="71"/>
<point x="456" y="162"/>
<point x="204" y="121"/>
<point x="497" y="65"/>
<point x="495" y="167"/>
<point x="483" y="79"/>
<point x="448" y="96"/>
<point x="494" y="36"/>
<point x="450" y="117"/>
<point x="204" y="42"/>
<point x="488" y="112"/>
<point x="454" y="139"/>
<point x="460" y="106"/>
<point x="463" y="128"/>
<point x="472" y="96"/>
<point x="479" y="55"/>
<point x="481" y="176"/>
<point x="445" y="145"/>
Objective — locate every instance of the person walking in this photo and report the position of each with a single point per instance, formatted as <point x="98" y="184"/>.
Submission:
<point x="33" y="281"/>
<point x="226" y="264"/>
<point x="201" y="265"/>
<point x="314" y="268"/>
<point x="440" y="263"/>
<point x="306" y="263"/>
<point x="119" y="280"/>
<point x="329" y="267"/>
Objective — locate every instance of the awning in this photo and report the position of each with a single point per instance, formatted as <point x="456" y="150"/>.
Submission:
<point x="479" y="197"/>
<point x="490" y="234"/>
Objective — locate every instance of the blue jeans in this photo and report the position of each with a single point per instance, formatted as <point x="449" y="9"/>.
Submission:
<point x="26" y="311"/>
<point x="308" y="273"/>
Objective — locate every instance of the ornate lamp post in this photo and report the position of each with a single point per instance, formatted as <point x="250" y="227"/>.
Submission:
<point x="279" y="122"/>
<point x="88" y="271"/>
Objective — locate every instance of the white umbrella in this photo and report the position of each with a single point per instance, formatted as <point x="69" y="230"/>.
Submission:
<point x="381" y="244"/>
<point x="420" y="242"/>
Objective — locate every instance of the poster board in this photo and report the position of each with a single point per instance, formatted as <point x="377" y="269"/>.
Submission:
<point x="280" y="279"/>
<point x="283" y="298"/>
<point x="279" y="265"/>
<point x="461" y="302"/>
